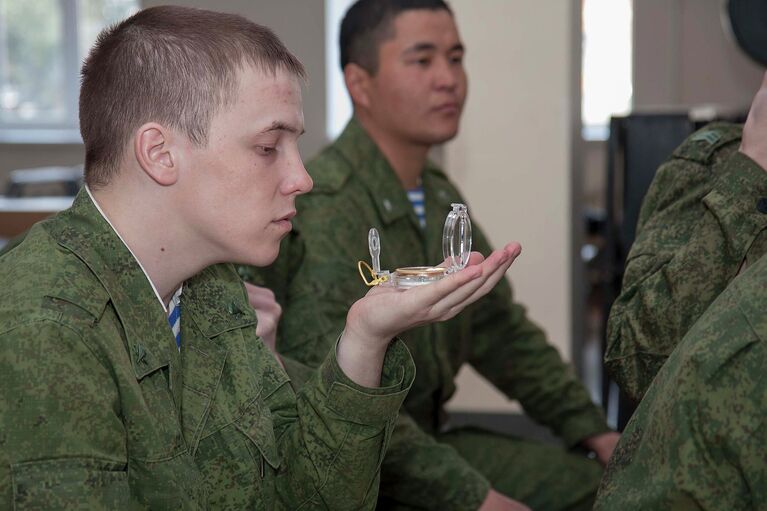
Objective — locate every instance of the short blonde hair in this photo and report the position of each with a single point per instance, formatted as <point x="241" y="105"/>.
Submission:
<point x="173" y="65"/>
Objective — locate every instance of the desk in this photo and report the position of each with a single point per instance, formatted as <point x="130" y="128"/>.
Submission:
<point x="19" y="214"/>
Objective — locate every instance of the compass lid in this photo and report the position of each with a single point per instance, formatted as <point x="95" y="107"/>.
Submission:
<point x="456" y="237"/>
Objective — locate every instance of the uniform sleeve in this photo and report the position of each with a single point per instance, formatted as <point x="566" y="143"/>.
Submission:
<point x="419" y="472"/>
<point x="335" y="434"/>
<point x="511" y="351"/>
<point x="696" y="440"/>
<point x="696" y="227"/>
<point x="417" y="469"/>
<point x="62" y="442"/>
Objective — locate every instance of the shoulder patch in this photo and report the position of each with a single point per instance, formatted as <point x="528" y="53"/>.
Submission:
<point x="73" y="312"/>
<point x="80" y="299"/>
<point x="702" y="145"/>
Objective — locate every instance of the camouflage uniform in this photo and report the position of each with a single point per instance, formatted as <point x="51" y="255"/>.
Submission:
<point x="703" y="218"/>
<point x="698" y="439"/>
<point x="316" y="280"/>
<point x="99" y="410"/>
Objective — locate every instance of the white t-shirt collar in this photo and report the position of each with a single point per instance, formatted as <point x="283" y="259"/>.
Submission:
<point x="176" y="295"/>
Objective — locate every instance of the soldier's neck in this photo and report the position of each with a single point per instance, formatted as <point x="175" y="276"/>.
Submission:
<point x="405" y="157"/>
<point x="163" y="250"/>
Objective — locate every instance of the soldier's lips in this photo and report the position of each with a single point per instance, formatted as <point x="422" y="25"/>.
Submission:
<point x="284" y="222"/>
<point x="449" y="108"/>
<point x="286" y="225"/>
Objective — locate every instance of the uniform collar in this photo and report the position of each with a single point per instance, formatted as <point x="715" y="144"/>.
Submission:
<point x="176" y="295"/>
<point x="214" y="299"/>
<point x="86" y="233"/>
<point x="376" y="174"/>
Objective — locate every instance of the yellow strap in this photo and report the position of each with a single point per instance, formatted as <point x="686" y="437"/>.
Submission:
<point x="375" y="280"/>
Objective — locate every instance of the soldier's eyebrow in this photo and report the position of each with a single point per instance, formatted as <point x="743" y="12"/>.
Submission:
<point x="283" y="126"/>
<point x="418" y="47"/>
<point x="423" y="46"/>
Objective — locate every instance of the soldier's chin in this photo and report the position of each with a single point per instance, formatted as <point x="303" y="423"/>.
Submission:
<point x="261" y="257"/>
<point x="441" y="136"/>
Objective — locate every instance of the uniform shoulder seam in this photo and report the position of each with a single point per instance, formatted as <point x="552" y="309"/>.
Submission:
<point x="701" y="146"/>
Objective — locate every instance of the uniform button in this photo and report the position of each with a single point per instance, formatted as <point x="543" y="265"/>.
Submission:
<point x="140" y="354"/>
<point x="387" y="204"/>
<point x="233" y="309"/>
<point x="761" y="205"/>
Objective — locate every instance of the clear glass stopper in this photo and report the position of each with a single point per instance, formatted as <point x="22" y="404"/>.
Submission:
<point x="374" y="245"/>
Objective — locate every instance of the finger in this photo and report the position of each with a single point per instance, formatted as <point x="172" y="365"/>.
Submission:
<point x="513" y="250"/>
<point x="265" y="326"/>
<point x="261" y="297"/>
<point x="264" y="303"/>
<point x="450" y="287"/>
<point x="461" y="293"/>
<point x="421" y="300"/>
<point x="474" y="258"/>
<point x="260" y="293"/>
<point x="488" y="284"/>
<point x="493" y="270"/>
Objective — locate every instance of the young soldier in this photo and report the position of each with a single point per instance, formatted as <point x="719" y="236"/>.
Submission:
<point x="703" y="221"/>
<point x="190" y="121"/>
<point x="402" y="61"/>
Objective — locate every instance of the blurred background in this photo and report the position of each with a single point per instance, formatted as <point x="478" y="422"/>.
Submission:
<point x="572" y="105"/>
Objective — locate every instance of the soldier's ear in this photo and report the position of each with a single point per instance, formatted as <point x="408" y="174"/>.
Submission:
<point x="153" y="146"/>
<point x="358" y="84"/>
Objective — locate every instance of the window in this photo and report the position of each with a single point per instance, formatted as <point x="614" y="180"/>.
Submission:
<point x="42" y="44"/>
<point x="607" y="62"/>
<point x="339" y="104"/>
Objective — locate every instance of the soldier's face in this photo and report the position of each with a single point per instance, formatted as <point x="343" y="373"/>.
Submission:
<point x="240" y="194"/>
<point x="419" y="89"/>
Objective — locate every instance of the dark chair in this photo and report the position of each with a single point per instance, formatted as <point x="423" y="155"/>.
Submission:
<point x="637" y="146"/>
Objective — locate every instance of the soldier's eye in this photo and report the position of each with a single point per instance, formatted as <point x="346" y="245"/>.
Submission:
<point x="262" y="150"/>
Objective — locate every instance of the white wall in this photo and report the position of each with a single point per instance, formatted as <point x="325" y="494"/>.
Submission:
<point x="683" y="57"/>
<point x="299" y="24"/>
<point x="513" y="157"/>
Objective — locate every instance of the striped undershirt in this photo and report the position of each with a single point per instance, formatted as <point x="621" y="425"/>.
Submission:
<point x="416" y="198"/>
<point x="174" y="316"/>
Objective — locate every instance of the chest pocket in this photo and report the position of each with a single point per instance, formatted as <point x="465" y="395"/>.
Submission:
<point x="257" y="424"/>
<point x="160" y="438"/>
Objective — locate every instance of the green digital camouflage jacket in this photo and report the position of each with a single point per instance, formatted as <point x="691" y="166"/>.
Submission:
<point x="699" y="439"/>
<point x="99" y="410"/>
<point x="703" y="218"/>
<point x="316" y="280"/>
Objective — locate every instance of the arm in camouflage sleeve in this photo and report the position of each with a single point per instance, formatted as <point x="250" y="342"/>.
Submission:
<point x="335" y="433"/>
<point x="512" y="352"/>
<point x="697" y="224"/>
<point x="696" y="441"/>
<point x="422" y="473"/>
<point x="417" y="470"/>
<point x="414" y="458"/>
<point x="62" y="441"/>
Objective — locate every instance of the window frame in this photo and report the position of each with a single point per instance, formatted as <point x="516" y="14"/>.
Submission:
<point x="68" y="130"/>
